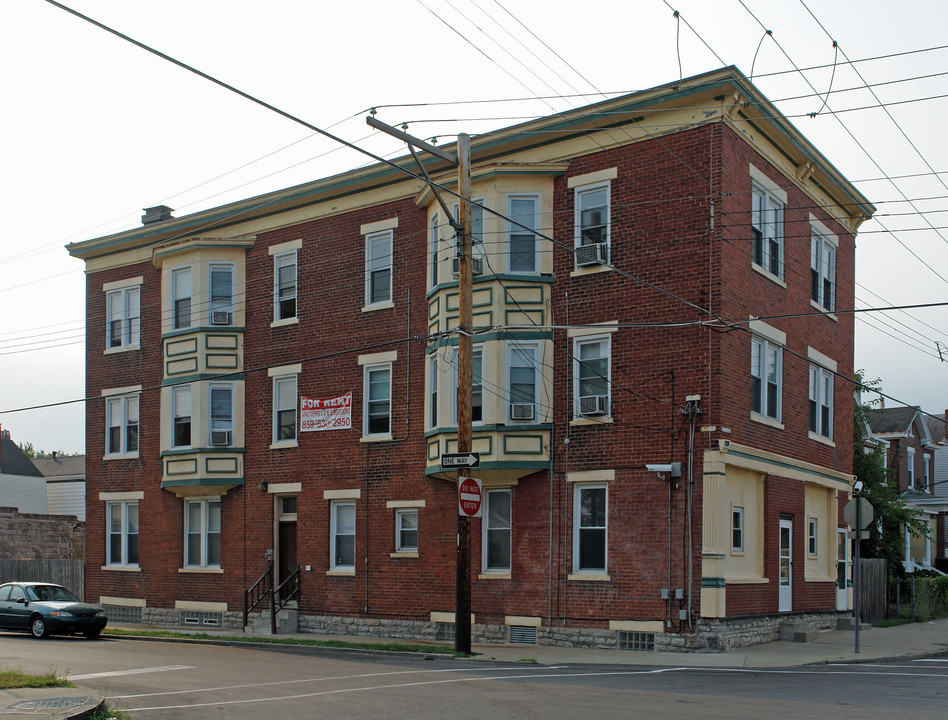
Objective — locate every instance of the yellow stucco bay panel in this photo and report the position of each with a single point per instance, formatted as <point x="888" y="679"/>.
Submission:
<point x="220" y="342"/>
<point x="525" y="294"/>
<point x="186" y="346"/>
<point x="221" y="465"/>
<point x="180" y="367"/>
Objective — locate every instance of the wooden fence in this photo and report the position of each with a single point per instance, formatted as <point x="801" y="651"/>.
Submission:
<point x="69" y="573"/>
<point x="874" y="579"/>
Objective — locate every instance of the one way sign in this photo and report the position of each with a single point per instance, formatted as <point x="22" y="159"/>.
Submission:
<point x="450" y="461"/>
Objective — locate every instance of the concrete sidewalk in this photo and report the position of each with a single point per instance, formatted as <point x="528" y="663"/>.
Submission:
<point x="914" y="640"/>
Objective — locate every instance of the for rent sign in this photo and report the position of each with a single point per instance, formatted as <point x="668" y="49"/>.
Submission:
<point x="333" y="413"/>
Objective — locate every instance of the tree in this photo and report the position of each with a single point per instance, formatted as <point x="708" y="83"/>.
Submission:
<point x="886" y="535"/>
<point x="32" y="453"/>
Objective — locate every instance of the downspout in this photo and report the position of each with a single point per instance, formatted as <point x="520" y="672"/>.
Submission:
<point x="566" y="533"/>
<point x="549" y="578"/>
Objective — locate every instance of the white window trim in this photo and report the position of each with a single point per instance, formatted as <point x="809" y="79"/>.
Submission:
<point x="926" y="472"/>
<point x="367" y="370"/>
<point x="174" y="413"/>
<point x="579" y="573"/>
<point x="277" y="258"/>
<point x="232" y="306"/>
<point x="513" y="229"/>
<point x="276" y="442"/>
<point x="513" y="345"/>
<point x="590" y="340"/>
<point x="210" y="416"/>
<point x="822" y="374"/>
<point x="174" y="297"/>
<point x="910" y="465"/>
<point x="124" y="397"/>
<point x="434" y="250"/>
<point x="205" y="514"/>
<point x="123" y="293"/>
<point x="406" y="550"/>
<point x="389" y="266"/>
<point x="123" y="505"/>
<point x="478" y="348"/>
<point x="813" y="537"/>
<point x="762" y="416"/>
<point x="581" y="190"/>
<point x="739" y="510"/>
<point x="505" y="571"/>
<point x="760" y="185"/>
<point x="335" y="568"/>
<point x="822" y="238"/>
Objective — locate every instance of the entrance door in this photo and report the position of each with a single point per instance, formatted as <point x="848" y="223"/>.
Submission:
<point x="842" y="570"/>
<point x="287" y="561"/>
<point x="785" y="600"/>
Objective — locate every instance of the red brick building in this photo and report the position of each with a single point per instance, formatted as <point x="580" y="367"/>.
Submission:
<point x="656" y="283"/>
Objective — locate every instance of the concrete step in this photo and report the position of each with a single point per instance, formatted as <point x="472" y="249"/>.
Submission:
<point x="287" y="623"/>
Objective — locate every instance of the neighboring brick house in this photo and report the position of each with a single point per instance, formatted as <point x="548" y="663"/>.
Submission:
<point x="667" y="296"/>
<point x="910" y="455"/>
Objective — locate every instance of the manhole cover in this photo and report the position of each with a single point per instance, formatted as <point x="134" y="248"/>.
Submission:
<point x="50" y="703"/>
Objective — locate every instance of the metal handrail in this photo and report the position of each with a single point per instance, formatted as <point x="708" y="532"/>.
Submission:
<point x="292" y="582"/>
<point x="258" y="592"/>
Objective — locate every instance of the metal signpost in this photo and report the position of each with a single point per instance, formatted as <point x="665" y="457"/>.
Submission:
<point x="858" y="514"/>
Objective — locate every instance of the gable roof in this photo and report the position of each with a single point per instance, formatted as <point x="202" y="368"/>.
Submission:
<point x="13" y="461"/>
<point x="936" y="426"/>
<point x="892" y="420"/>
<point x="61" y="466"/>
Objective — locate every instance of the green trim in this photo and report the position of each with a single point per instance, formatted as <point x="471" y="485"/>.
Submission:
<point x="503" y="277"/>
<point x="525" y="313"/>
<point x="518" y="335"/>
<point x="452" y="429"/>
<point x="200" y="482"/>
<point x="192" y="462"/>
<point x="213" y="330"/>
<point x="227" y="336"/>
<point x="437" y="449"/>
<point x="515" y="465"/>
<point x="509" y="300"/>
<point x="189" y="364"/>
<point x="451" y="443"/>
<point x="434" y="307"/>
<point x="220" y="472"/>
<point x="231" y="357"/>
<point x="202" y="451"/>
<point x="716" y="473"/>
<point x="510" y="436"/>
<point x="224" y="377"/>
<point x="488" y="291"/>
<point x="193" y="350"/>
<point x="713" y="582"/>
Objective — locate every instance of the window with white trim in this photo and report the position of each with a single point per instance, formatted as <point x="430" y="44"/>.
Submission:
<point x="591" y="376"/>
<point x="181" y="413"/>
<point x="202" y="530"/>
<point x="911" y="467"/>
<point x="378" y="267"/>
<point x="181" y="290"/>
<point x="406" y="530"/>
<point x="523" y="380"/>
<point x="124" y="312"/>
<point x="496" y="535"/>
<point x="522" y="241"/>
<point x="377" y="400"/>
<point x="821" y="401"/>
<point x="284" y="408"/>
<point x="590" y="507"/>
<point x="221" y="283"/>
<point x="477" y="384"/>
<point x="737" y="529"/>
<point x="766" y="377"/>
<point x="122" y="530"/>
<point x="591" y="204"/>
<point x="477" y="230"/>
<point x="122" y="422"/>
<point x="434" y="239"/>
<point x="767" y="231"/>
<point x="433" y="378"/>
<point x="342" y="535"/>
<point x="812" y="537"/>
<point x="822" y="271"/>
<point x="284" y="285"/>
<point x="926" y="472"/>
<point x="222" y="414"/>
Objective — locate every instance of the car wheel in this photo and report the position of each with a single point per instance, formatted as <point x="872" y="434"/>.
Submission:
<point x="92" y="634"/>
<point x="38" y="627"/>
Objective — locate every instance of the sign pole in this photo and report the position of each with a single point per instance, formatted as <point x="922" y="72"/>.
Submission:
<point x="857" y="588"/>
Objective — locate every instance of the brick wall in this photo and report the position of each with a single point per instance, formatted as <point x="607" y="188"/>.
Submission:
<point x="32" y="536"/>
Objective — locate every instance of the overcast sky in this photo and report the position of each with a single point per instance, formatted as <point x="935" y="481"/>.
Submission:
<point x="94" y="129"/>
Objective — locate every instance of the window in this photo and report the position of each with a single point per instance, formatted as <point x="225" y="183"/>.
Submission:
<point x="181" y="297"/>
<point x="222" y="414"/>
<point x="284" y="409"/>
<point x="122" y="420"/>
<point x="202" y="520"/>
<point x="378" y="267"/>
<point x="477" y="385"/>
<point x="496" y="534"/>
<point x="592" y="215"/>
<point x="767" y="230"/>
<point x="124" y="310"/>
<point x="821" y="401"/>
<point x="406" y="530"/>
<point x="477" y="228"/>
<point x="122" y="542"/>
<point x="589" y="528"/>
<point x="377" y="405"/>
<point x="811" y="537"/>
<point x="433" y="390"/>
<point x="766" y="374"/>
<point x="433" y="241"/>
<point x="222" y="294"/>
<point x="284" y="286"/>
<point x="181" y="409"/>
<point x="522" y="364"/>
<point x="737" y="529"/>
<point x="822" y="271"/>
<point x="911" y="468"/>
<point x="591" y="376"/>
<point x="342" y="536"/>
<point x="926" y="472"/>
<point x="522" y="243"/>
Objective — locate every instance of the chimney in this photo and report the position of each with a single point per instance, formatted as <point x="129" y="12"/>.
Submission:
<point x="157" y="214"/>
<point x="882" y="402"/>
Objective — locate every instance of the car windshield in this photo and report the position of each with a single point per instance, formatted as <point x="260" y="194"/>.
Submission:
<point x="50" y="593"/>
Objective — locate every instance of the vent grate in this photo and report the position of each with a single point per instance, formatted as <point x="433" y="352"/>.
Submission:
<point x="123" y="614"/>
<point x="196" y="617"/>
<point x="635" y="641"/>
<point x="523" y="635"/>
<point x="445" y="632"/>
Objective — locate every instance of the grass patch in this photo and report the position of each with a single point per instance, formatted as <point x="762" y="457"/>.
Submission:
<point x="385" y="646"/>
<point x="105" y="712"/>
<point x="20" y="679"/>
<point x="892" y="622"/>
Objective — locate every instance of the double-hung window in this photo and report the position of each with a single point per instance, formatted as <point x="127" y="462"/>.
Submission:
<point x="822" y="271"/>
<point x="122" y="422"/>
<point x="284" y="409"/>
<point x="377" y="403"/>
<point x="591" y="376"/>
<point x="342" y="535"/>
<point x="496" y="536"/>
<point x="521" y="238"/>
<point x="181" y="290"/>
<point x="202" y="519"/>
<point x="477" y="232"/>
<point x="433" y="374"/>
<point x="766" y="374"/>
<point x="590" y="504"/>
<point x="181" y="410"/>
<point x="222" y="294"/>
<point x="284" y="285"/>
<point x="926" y="473"/>
<point x="378" y="267"/>
<point x="222" y="414"/>
<point x="124" y="311"/>
<point x="767" y="231"/>
<point x="910" y="466"/>
<point x="477" y="384"/>
<point x="522" y="381"/>
<point x="592" y="222"/>
<point x="812" y="537"/>
<point x="434" y="240"/>
<point x="821" y="401"/>
<point x="406" y="530"/>
<point x="737" y="529"/>
<point x="122" y="541"/>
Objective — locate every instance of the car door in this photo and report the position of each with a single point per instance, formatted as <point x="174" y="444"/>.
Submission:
<point x="4" y="601"/>
<point x="17" y="608"/>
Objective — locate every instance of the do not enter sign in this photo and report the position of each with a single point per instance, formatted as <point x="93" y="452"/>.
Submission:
<point x="469" y="497"/>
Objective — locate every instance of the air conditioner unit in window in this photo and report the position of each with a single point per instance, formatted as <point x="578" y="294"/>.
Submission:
<point x="521" y="411"/>
<point x="220" y="317"/>
<point x="593" y="254"/>
<point x="594" y="405"/>
<point x="220" y="437"/>
<point x="477" y="266"/>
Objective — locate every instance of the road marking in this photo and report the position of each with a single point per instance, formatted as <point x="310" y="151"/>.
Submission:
<point x="134" y="671"/>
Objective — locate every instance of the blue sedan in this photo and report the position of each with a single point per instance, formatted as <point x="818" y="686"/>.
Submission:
<point x="45" y="609"/>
